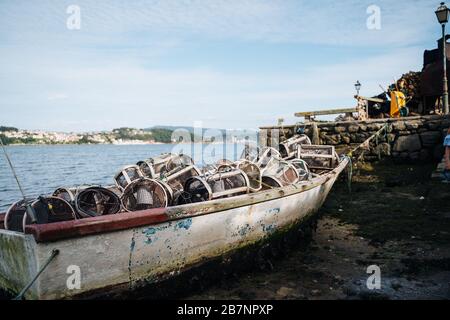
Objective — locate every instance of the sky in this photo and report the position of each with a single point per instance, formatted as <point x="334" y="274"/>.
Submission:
<point x="235" y="64"/>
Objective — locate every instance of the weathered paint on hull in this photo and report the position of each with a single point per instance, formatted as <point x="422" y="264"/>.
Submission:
<point x="148" y="254"/>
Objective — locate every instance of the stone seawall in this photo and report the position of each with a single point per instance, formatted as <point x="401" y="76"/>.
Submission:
<point x="410" y="139"/>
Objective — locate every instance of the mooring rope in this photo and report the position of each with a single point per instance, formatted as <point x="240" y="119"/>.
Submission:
<point x="349" y="173"/>
<point x="365" y="144"/>
<point x="53" y="255"/>
<point x="367" y="141"/>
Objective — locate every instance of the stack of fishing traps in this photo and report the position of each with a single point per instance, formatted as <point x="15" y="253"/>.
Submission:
<point x="174" y="179"/>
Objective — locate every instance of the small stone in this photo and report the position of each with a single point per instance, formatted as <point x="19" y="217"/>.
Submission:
<point x="399" y="125"/>
<point x="374" y="126"/>
<point x="284" y="292"/>
<point x="316" y="292"/>
<point x="412" y="125"/>
<point x="353" y="128"/>
<point x="345" y="139"/>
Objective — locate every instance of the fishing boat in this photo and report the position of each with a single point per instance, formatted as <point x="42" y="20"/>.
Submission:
<point x="132" y="249"/>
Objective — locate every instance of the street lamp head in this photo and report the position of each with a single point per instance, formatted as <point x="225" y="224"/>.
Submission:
<point x="358" y="86"/>
<point x="442" y="13"/>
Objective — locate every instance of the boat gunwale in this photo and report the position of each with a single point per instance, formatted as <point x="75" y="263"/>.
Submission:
<point x="103" y="224"/>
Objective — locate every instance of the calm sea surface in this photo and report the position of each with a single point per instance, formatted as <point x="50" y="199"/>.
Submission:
<point x="42" y="169"/>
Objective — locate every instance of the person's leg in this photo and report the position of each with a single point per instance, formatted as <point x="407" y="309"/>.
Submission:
<point x="446" y="175"/>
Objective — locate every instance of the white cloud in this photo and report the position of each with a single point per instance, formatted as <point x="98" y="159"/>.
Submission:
<point x="125" y="94"/>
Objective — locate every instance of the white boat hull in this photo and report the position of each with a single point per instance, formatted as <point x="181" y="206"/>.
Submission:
<point x="146" y="254"/>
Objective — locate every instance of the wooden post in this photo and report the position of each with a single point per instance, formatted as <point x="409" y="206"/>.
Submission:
<point x="315" y="136"/>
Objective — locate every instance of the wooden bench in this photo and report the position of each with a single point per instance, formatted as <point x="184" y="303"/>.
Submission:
<point x="311" y="114"/>
<point x="364" y="105"/>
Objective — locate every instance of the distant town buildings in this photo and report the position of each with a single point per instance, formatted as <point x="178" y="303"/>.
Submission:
<point x="117" y="136"/>
<point x="11" y="135"/>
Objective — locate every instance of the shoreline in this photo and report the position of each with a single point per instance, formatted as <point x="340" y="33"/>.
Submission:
<point x="115" y="144"/>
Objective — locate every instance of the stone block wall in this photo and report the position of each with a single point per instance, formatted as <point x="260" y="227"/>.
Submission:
<point x="411" y="139"/>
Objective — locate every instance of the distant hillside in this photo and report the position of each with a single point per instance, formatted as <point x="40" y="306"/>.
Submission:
<point x="231" y="134"/>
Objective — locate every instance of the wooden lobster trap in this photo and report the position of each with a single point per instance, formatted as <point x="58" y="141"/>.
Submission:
<point x="318" y="157"/>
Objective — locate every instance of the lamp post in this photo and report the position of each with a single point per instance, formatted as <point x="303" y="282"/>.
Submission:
<point x="357" y="87"/>
<point x="442" y="14"/>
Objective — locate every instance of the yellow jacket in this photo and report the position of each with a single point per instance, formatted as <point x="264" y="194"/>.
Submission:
<point x="398" y="101"/>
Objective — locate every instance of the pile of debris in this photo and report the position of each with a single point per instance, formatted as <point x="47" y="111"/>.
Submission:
<point x="409" y="83"/>
<point x="174" y="179"/>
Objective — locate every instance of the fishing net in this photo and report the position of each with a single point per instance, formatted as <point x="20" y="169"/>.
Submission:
<point x="96" y="201"/>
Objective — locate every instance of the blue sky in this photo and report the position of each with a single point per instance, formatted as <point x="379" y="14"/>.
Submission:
<point x="230" y="64"/>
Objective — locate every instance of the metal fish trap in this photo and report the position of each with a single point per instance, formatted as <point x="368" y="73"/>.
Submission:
<point x="302" y="168"/>
<point x="279" y="173"/>
<point x="67" y="194"/>
<point x="251" y="153"/>
<point x="253" y="174"/>
<point x="144" y="194"/>
<point x="172" y="171"/>
<point x="224" y="165"/>
<point x="266" y="155"/>
<point x="96" y="201"/>
<point x="219" y="185"/>
<point x="126" y="176"/>
<point x="47" y="209"/>
<point x="208" y="170"/>
<point x="162" y="165"/>
<point x="177" y="179"/>
<point x="289" y="148"/>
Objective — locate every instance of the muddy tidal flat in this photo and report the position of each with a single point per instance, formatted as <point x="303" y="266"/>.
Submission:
<point x="396" y="218"/>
